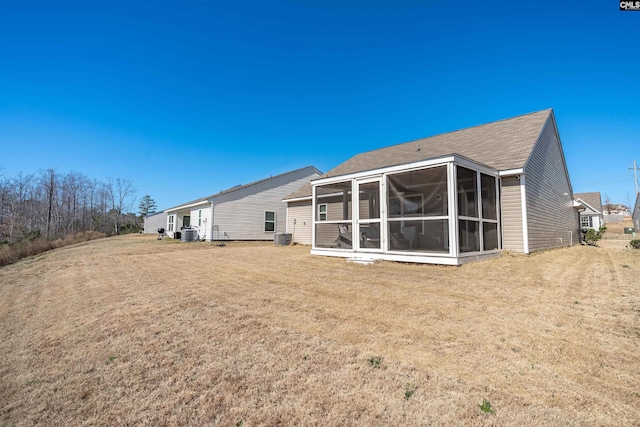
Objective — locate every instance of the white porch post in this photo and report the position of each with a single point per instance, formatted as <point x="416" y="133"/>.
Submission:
<point x="452" y="210"/>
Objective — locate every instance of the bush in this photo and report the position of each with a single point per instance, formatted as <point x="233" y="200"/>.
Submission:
<point x="591" y="236"/>
<point x="635" y="244"/>
<point x="10" y="253"/>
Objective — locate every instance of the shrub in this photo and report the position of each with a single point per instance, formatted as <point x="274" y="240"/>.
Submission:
<point x="486" y="407"/>
<point x="10" y="253"/>
<point x="591" y="236"/>
<point x="635" y="244"/>
<point x="409" y="391"/>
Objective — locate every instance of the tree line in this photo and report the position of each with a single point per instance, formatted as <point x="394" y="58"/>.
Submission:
<point x="54" y="205"/>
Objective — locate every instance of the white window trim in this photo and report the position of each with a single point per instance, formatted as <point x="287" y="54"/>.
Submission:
<point x="266" y="221"/>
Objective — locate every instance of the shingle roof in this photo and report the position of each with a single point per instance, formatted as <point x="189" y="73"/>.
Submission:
<point x="593" y="199"/>
<point x="242" y="187"/>
<point x="502" y="145"/>
<point x="304" y="191"/>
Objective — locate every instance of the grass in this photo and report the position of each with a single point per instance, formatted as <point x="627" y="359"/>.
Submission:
<point x="486" y="407"/>
<point x="409" y="390"/>
<point x="10" y="253"/>
<point x="375" y="361"/>
<point x="264" y="335"/>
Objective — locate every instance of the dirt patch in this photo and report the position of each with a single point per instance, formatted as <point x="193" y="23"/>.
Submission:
<point x="131" y="330"/>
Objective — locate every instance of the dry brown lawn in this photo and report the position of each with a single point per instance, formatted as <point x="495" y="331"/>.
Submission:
<point x="135" y="331"/>
<point x="617" y="228"/>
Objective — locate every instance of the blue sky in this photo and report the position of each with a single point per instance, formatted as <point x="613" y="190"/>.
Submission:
<point x="188" y="98"/>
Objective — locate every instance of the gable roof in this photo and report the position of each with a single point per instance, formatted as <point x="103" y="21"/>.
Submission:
<point x="593" y="199"/>
<point x="502" y="145"/>
<point x="310" y="169"/>
<point x="303" y="192"/>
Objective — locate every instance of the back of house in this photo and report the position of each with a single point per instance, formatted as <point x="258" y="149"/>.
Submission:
<point x="448" y="199"/>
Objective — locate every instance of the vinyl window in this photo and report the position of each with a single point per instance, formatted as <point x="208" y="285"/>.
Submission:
<point x="269" y="221"/>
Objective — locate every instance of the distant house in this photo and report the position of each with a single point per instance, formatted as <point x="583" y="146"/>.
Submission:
<point x="591" y="213"/>
<point x="246" y="212"/>
<point x="636" y="214"/>
<point x="155" y="221"/>
<point x="448" y="199"/>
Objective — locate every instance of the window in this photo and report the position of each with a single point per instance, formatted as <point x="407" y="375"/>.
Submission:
<point x="488" y="191"/>
<point x="467" y="203"/>
<point x="585" y="222"/>
<point x="186" y="221"/>
<point x="406" y="205"/>
<point x="199" y="217"/>
<point x="269" y="221"/>
<point x="322" y="212"/>
<point x="333" y="227"/>
<point x="170" y="222"/>
<point x="417" y="210"/>
<point x="477" y="216"/>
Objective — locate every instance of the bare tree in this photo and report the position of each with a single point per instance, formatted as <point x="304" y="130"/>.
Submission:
<point x="608" y="206"/>
<point x="55" y="205"/>
<point x="120" y="193"/>
<point x="50" y="186"/>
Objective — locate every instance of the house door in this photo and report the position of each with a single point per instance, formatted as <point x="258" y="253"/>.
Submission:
<point x="367" y="207"/>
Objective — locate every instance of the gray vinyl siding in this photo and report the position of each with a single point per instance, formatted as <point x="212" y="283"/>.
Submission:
<point x="552" y="220"/>
<point x="153" y="222"/>
<point x="301" y="213"/>
<point x="512" y="238"/>
<point x="242" y="216"/>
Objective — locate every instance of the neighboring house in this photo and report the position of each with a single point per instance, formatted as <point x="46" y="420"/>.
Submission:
<point x="636" y="214"/>
<point x="591" y="215"/>
<point x="246" y="212"/>
<point x="154" y="221"/>
<point x="448" y="199"/>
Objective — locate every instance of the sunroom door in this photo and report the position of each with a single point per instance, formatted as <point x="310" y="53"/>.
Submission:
<point x="368" y="204"/>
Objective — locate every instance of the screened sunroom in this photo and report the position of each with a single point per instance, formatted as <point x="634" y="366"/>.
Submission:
<point x="442" y="211"/>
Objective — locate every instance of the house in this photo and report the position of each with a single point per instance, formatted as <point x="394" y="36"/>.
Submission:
<point x="447" y="199"/>
<point x="591" y="216"/>
<point x="635" y="218"/>
<point x="155" y="221"/>
<point x="245" y="212"/>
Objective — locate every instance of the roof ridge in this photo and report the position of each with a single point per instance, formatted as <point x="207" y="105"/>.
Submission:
<point x="457" y="130"/>
<point x="242" y="186"/>
<point x="260" y="181"/>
